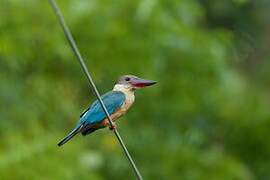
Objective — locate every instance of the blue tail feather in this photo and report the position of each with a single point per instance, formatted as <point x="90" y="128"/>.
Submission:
<point x="75" y="131"/>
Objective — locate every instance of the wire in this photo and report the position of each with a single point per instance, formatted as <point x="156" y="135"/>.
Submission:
<point x="73" y="45"/>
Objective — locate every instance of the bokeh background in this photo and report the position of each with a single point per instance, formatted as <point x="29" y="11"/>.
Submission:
<point x="207" y="118"/>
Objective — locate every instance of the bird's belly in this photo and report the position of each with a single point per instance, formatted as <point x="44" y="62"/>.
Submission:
<point x="121" y="111"/>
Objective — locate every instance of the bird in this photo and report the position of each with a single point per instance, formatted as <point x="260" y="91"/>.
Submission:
<point x="117" y="102"/>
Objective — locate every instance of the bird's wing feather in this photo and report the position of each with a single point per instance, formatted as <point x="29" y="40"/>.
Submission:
<point x="113" y="100"/>
<point x="85" y="111"/>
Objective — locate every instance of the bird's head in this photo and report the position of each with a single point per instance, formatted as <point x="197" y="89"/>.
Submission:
<point x="133" y="82"/>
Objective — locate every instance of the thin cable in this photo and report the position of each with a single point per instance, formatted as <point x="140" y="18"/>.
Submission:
<point x="83" y="65"/>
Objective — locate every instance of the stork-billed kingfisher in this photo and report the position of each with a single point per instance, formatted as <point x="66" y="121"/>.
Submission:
<point x="117" y="102"/>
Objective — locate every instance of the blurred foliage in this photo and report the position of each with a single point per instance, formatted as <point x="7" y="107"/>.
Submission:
<point x="208" y="118"/>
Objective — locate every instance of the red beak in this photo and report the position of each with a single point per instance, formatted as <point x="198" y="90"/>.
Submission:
<point x="139" y="83"/>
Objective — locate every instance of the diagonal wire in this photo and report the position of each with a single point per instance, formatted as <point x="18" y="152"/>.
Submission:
<point x="89" y="77"/>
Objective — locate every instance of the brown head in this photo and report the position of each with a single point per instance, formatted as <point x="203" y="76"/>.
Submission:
<point x="134" y="82"/>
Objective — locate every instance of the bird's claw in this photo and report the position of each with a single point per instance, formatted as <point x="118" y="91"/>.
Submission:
<point x="113" y="127"/>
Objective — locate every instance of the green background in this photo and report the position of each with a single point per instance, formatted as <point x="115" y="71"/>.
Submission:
<point x="207" y="118"/>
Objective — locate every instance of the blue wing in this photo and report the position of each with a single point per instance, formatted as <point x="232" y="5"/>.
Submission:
<point x="113" y="100"/>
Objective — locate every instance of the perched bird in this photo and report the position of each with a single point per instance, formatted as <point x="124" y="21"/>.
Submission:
<point x="117" y="102"/>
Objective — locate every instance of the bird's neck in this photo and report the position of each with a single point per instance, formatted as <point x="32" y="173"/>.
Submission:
<point x="126" y="89"/>
<point x="129" y="96"/>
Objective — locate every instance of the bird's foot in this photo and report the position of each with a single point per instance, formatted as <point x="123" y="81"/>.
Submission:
<point x="112" y="127"/>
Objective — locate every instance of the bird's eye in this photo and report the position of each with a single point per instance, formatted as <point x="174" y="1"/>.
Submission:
<point x="127" y="79"/>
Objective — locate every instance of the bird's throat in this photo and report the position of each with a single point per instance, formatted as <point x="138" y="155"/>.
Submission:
<point x="123" y="88"/>
<point x="127" y="90"/>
